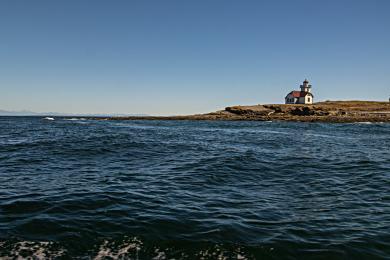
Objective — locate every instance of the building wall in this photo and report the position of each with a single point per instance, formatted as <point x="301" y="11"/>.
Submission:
<point x="301" y="100"/>
<point x="290" y="99"/>
<point x="306" y="100"/>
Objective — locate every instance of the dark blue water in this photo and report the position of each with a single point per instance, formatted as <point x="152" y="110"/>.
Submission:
<point x="193" y="189"/>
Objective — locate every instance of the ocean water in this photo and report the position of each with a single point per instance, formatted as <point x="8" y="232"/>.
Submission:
<point x="193" y="189"/>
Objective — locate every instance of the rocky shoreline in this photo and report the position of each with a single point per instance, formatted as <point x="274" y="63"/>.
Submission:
<point x="329" y="111"/>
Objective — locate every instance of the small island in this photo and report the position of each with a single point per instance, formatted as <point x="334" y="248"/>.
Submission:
<point x="299" y="107"/>
<point x="328" y="111"/>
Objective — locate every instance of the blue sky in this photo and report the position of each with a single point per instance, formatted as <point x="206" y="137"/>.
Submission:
<point x="182" y="57"/>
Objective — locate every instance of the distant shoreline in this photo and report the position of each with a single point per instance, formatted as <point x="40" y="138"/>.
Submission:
<point x="329" y="111"/>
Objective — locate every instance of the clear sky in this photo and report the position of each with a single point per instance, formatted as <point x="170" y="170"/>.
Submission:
<point x="182" y="57"/>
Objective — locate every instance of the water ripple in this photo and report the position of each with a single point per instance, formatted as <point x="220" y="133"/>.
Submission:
<point x="185" y="190"/>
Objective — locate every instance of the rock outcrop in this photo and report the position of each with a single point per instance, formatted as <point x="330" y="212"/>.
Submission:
<point x="330" y="111"/>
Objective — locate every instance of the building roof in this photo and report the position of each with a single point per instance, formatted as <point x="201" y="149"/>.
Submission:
<point x="297" y="94"/>
<point x="306" y="81"/>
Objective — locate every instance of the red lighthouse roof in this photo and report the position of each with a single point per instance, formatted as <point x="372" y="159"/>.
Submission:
<point x="297" y="94"/>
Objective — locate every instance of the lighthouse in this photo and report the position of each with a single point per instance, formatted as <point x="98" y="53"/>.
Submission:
<point x="306" y="87"/>
<point x="300" y="97"/>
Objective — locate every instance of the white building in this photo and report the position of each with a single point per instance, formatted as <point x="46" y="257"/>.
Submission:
<point x="300" y="97"/>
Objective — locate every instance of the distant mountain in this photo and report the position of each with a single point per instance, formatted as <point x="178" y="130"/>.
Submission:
<point x="17" y="113"/>
<point x="31" y="113"/>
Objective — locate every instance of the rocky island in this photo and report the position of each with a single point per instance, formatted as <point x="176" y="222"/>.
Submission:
<point x="328" y="111"/>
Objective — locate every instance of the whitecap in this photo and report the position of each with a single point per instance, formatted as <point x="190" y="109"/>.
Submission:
<point x="35" y="250"/>
<point x="75" y="119"/>
<point x="14" y="141"/>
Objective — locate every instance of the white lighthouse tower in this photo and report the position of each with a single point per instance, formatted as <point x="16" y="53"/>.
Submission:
<point x="306" y="87"/>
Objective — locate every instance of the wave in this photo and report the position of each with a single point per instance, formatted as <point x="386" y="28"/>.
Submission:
<point x="30" y="250"/>
<point x="75" y="119"/>
<point x="14" y="141"/>
<point x="136" y="248"/>
<point x="188" y="189"/>
<point x="128" y="248"/>
<point x="48" y="118"/>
